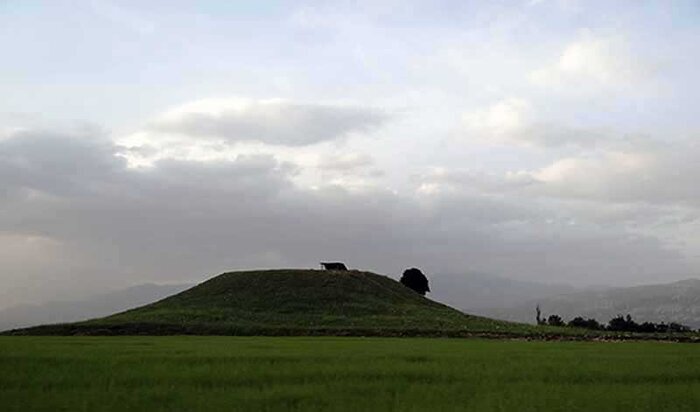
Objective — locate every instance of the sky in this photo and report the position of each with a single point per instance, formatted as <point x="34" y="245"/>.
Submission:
<point x="168" y="141"/>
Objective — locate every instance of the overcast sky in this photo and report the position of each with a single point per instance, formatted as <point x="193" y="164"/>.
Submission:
<point x="172" y="140"/>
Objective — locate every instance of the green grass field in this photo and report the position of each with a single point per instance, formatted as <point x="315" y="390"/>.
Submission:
<point x="304" y="373"/>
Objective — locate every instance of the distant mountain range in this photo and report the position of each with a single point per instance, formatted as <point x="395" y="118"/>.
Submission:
<point x="96" y="306"/>
<point x="671" y="302"/>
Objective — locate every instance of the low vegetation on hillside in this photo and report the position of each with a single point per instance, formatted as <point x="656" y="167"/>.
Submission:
<point x="617" y="324"/>
<point x="677" y="302"/>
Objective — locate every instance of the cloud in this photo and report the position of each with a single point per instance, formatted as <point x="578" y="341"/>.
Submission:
<point x="351" y="170"/>
<point x="346" y="161"/>
<point x="514" y="121"/>
<point x="317" y="138"/>
<point x="653" y="173"/>
<point x="640" y="188"/>
<point x="637" y="170"/>
<point x="451" y="180"/>
<point x="593" y="63"/>
<point x="501" y="120"/>
<point x="58" y="163"/>
<point x="276" y="121"/>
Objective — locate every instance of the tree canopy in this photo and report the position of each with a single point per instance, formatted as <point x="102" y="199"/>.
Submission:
<point x="416" y="280"/>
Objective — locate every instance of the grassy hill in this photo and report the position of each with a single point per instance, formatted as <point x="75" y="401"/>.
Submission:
<point x="292" y="302"/>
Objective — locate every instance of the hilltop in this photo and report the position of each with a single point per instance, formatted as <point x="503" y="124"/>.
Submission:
<point x="291" y="302"/>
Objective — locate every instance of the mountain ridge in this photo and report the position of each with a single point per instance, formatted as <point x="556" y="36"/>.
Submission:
<point x="677" y="301"/>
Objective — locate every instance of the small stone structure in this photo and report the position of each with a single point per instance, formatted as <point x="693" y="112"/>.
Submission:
<point x="333" y="266"/>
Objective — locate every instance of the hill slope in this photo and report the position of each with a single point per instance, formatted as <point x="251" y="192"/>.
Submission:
<point x="672" y="302"/>
<point x="290" y="302"/>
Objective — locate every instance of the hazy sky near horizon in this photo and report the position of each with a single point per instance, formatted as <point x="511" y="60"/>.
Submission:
<point x="167" y="141"/>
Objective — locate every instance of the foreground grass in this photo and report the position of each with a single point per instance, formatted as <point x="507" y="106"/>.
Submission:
<point x="239" y="373"/>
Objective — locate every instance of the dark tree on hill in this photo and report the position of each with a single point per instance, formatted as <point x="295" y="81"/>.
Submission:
<point x="579" y="322"/>
<point x="627" y="324"/>
<point x="416" y="280"/>
<point x="646" y="327"/>
<point x="555" y="320"/>
<point x="623" y="324"/>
